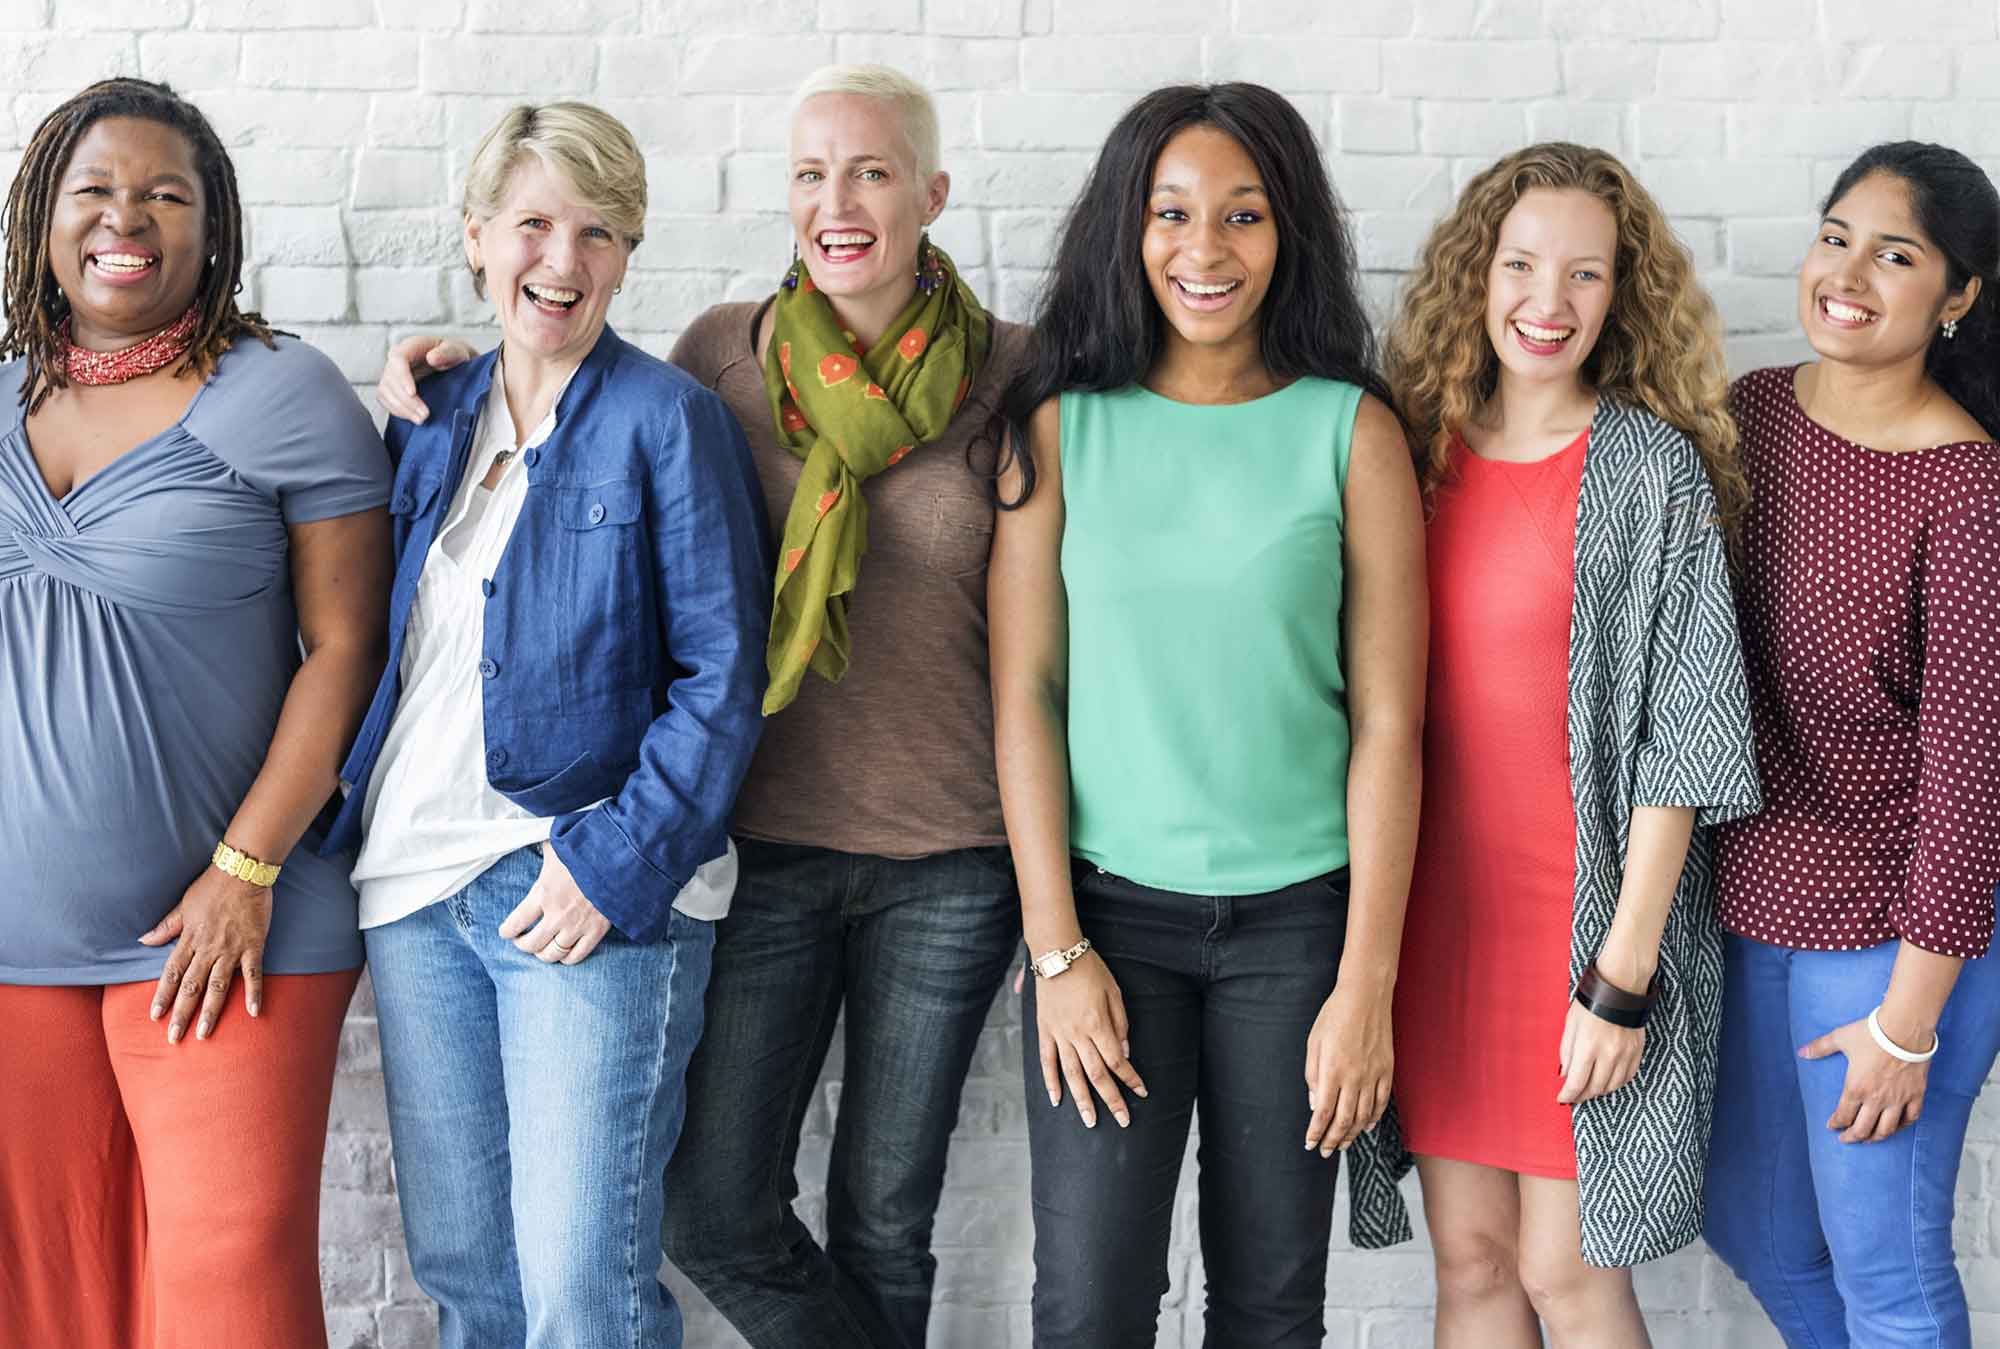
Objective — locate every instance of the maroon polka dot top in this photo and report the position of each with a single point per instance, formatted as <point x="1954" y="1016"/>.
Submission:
<point x="1870" y="618"/>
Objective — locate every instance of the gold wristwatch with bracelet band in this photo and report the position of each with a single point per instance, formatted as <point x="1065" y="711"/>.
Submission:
<point x="1049" y="964"/>
<point x="235" y="862"/>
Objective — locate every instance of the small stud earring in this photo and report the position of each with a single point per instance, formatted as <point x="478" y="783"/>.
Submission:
<point x="1950" y="329"/>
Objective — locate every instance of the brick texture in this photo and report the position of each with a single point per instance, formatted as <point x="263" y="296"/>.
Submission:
<point x="352" y="121"/>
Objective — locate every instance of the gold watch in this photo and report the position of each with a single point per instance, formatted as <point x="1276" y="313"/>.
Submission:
<point x="234" y="862"/>
<point x="1049" y="964"/>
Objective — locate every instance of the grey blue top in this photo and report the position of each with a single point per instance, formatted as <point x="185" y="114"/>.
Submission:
<point x="147" y="640"/>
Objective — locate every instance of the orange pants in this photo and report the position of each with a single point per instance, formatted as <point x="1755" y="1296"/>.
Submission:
<point x="157" y="1196"/>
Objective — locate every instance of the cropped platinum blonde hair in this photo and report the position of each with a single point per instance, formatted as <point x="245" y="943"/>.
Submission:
<point x="591" y="150"/>
<point x="913" y="103"/>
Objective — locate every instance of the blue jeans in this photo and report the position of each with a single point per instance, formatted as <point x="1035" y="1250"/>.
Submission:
<point x="1842" y="1243"/>
<point x="532" y="1108"/>
<point x="1221" y="993"/>
<point x="915" y="951"/>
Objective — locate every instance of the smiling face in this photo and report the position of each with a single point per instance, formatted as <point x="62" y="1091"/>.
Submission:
<point x="128" y="232"/>
<point x="1210" y="245"/>
<point x="1548" y="289"/>
<point x="551" y="262"/>
<point x="859" y="205"/>
<point x="1874" y="288"/>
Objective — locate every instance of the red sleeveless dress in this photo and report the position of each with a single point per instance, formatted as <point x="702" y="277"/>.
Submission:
<point x="1482" y="993"/>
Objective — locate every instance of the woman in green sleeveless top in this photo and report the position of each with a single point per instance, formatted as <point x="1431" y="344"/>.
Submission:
<point x="1208" y="626"/>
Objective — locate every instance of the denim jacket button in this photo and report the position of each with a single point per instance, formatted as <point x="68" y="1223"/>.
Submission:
<point x="532" y="457"/>
<point x="496" y="758"/>
<point x="486" y="587"/>
<point x="488" y="668"/>
<point x="597" y="514"/>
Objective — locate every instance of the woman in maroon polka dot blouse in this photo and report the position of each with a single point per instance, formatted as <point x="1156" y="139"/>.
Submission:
<point x="1860" y="903"/>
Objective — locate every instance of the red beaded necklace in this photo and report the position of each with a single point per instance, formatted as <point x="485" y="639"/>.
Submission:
<point x="115" y="367"/>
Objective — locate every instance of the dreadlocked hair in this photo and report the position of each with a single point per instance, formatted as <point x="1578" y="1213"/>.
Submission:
<point x="34" y="307"/>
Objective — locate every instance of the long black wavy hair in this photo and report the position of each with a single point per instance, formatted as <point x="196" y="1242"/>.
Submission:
<point x="1097" y="325"/>
<point x="1959" y="211"/>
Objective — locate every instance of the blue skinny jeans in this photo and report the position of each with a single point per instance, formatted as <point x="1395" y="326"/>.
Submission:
<point x="1842" y="1243"/>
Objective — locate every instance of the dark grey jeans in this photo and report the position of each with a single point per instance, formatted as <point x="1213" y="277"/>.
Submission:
<point x="914" y="951"/>
<point x="1221" y="993"/>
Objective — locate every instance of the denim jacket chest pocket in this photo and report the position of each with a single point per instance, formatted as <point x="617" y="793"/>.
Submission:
<point x="604" y="585"/>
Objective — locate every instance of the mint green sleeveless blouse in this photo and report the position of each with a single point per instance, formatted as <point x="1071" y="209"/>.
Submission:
<point x="1201" y="553"/>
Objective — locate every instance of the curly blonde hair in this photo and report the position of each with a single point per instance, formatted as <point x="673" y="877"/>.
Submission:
<point x="1661" y="346"/>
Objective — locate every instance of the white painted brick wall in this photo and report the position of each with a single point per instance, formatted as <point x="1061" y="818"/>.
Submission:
<point x="351" y="119"/>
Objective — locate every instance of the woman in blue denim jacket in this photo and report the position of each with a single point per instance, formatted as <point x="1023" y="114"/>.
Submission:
<point x="542" y="783"/>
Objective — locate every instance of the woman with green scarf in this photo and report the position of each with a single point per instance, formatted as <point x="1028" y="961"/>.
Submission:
<point x="874" y="878"/>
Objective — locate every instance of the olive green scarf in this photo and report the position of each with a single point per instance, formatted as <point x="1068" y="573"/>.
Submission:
<point x="850" y="414"/>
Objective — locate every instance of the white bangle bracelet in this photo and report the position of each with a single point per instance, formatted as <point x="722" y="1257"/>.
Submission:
<point x="1896" y="1051"/>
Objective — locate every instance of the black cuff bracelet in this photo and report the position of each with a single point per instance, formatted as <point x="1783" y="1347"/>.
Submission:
<point x="1603" y="999"/>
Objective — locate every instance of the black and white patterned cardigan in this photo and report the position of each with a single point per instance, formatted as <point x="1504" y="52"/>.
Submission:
<point x="1659" y="714"/>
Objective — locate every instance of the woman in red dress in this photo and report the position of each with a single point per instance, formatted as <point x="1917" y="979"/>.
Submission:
<point x="1563" y="373"/>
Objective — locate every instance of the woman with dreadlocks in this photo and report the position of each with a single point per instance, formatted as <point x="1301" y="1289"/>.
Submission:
<point x="188" y="502"/>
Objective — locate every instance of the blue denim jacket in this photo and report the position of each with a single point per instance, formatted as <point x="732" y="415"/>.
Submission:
<point x="625" y="624"/>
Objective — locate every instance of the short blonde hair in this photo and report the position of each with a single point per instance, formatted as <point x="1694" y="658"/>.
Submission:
<point x="913" y="104"/>
<point x="586" y="145"/>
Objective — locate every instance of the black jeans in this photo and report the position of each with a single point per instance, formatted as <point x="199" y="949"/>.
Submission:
<point x="915" y="950"/>
<point x="1221" y="993"/>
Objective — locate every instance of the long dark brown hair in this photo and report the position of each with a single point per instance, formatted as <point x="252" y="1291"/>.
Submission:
<point x="35" y="307"/>
<point x="1097" y="325"/>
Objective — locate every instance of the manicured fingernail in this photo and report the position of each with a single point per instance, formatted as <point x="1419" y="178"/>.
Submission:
<point x="157" y="1009"/>
<point x="201" y="1031"/>
<point x="1309" y="1145"/>
<point x="174" y="1034"/>
<point x="1124" y="1120"/>
<point x="1326" y="1152"/>
<point x="1090" y="1121"/>
<point x="1054" y="1099"/>
<point x="1125" y="1048"/>
<point x="1140" y="1092"/>
<point x="255" y="1007"/>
